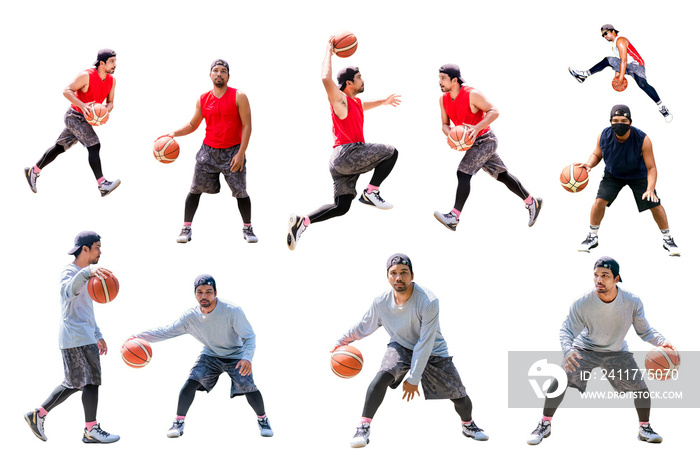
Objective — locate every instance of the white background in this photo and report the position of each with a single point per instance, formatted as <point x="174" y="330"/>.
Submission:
<point x="502" y="286"/>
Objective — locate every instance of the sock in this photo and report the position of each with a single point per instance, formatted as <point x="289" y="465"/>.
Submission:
<point x="188" y="224"/>
<point x="307" y="221"/>
<point x="456" y="212"/>
<point x="36" y="169"/>
<point x="371" y="188"/>
<point x="594" y="229"/>
<point x="643" y="423"/>
<point x="666" y="232"/>
<point x="42" y="411"/>
<point x="264" y="416"/>
<point x="180" y="418"/>
<point x="90" y="425"/>
<point x="467" y="423"/>
<point x="100" y="180"/>
<point x="529" y="200"/>
<point x="660" y="104"/>
<point x="546" y="418"/>
<point x="247" y="224"/>
<point x="365" y="420"/>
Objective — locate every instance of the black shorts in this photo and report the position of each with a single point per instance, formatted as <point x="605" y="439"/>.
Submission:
<point x="610" y="187"/>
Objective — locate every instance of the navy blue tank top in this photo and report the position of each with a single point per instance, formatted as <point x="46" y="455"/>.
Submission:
<point x="623" y="159"/>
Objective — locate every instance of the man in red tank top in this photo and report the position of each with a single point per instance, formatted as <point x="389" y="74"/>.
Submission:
<point x="227" y="113"/>
<point x="91" y="86"/>
<point x="351" y="155"/>
<point x="463" y="105"/>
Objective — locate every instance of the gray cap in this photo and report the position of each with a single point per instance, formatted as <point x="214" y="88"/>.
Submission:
<point x="397" y="259"/>
<point x="84" y="238"/>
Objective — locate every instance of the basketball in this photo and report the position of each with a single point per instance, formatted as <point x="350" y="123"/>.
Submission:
<point x="98" y="115"/>
<point x="166" y="149"/>
<point x="573" y="178"/>
<point x="103" y="290"/>
<point x="136" y="353"/>
<point x="662" y="363"/>
<point x="346" y="362"/>
<point x="617" y="87"/>
<point x="457" y="138"/>
<point x="344" y="44"/>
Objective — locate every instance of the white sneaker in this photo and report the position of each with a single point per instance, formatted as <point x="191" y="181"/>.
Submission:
<point x="666" y="114"/>
<point x="543" y="430"/>
<point x="361" y="438"/>
<point x="107" y="187"/>
<point x="589" y="243"/>
<point x="185" y="235"/>
<point x="31" y="178"/>
<point x="265" y="429"/>
<point x="374" y="199"/>
<point x="177" y="430"/>
<point x="296" y="228"/>
<point x="534" y="210"/>
<point x="97" y="435"/>
<point x="36" y="423"/>
<point x="580" y="76"/>
<point x="248" y="234"/>
<point x="472" y="431"/>
<point x="671" y="247"/>
<point x="449" y="219"/>
<point x="647" y="434"/>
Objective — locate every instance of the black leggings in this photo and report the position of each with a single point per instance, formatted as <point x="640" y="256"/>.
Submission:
<point x="192" y="203"/>
<point x="255" y="399"/>
<point x="93" y="158"/>
<point x="61" y="394"/>
<point x="464" y="187"/>
<point x="641" y="82"/>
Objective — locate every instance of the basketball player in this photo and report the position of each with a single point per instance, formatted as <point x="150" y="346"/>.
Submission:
<point x="80" y="341"/>
<point x="464" y="105"/>
<point x="629" y="161"/>
<point x="410" y="315"/>
<point x="229" y="344"/>
<point x="626" y="61"/>
<point x="593" y="335"/>
<point x="227" y="113"/>
<point x="351" y="155"/>
<point x="91" y="86"/>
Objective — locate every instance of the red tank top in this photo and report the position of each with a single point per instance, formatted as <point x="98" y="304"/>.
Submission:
<point x="98" y="90"/>
<point x="349" y="130"/>
<point x="459" y="110"/>
<point x="224" y="127"/>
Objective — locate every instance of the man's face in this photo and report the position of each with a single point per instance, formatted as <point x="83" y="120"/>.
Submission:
<point x="400" y="277"/>
<point x="205" y="295"/>
<point x="358" y="84"/>
<point x="94" y="252"/>
<point x="609" y="35"/>
<point x="219" y="76"/>
<point x="446" y="83"/>
<point x="110" y="65"/>
<point x="604" y="280"/>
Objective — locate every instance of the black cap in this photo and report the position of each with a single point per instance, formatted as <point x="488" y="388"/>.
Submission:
<point x="104" y="55"/>
<point x="219" y="62"/>
<point x="608" y="27"/>
<point x="84" y="238"/>
<point x="398" y="259"/>
<point x="609" y="263"/>
<point x="621" y="110"/>
<point x="346" y="74"/>
<point x="452" y="71"/>
<point x="204" y="279"/>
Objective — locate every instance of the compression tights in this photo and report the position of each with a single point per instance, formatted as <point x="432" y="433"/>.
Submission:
<point x="255" y="399"/>
<point x="192" y="202"/>
<point x="464" y="187"/>
<point x="93" y="158"/>
<point x="641" y="82"/>
<point x="61" y="394"/>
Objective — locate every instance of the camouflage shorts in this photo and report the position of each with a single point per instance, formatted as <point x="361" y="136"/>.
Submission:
<point x="81" y="366"/>
<point x="349" y="161"/>
<point x="212" y="162"/>
<point x="77" y="130"/>
<point x="482" y="156"/>
<point x="632" y="68"/>
<point x="620" y="367"/>
<point x="440" y="378"/>
<point x="207" y="370"/>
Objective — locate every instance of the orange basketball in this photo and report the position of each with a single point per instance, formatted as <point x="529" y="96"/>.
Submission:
<point x="573" y="178"/>
<point x="166" y="149"/>
<point x="457" y="139"/>
<point x="346" y="362"/>
<point x="103" y="290"/>
<point x="662" y="363"/>
<point x="617" y="87"/>
<point x="136" y="353"/>
<point x="344" y="44"/>
<point x="98" y="115"/>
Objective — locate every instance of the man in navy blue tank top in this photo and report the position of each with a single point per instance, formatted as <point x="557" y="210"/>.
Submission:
<point x="629" y="161"/>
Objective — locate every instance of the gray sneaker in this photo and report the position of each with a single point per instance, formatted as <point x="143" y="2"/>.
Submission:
<point x="472" y="431"/>
<point x="534" y="210"/>
<point x="97" y="435"/>
<point x="31" y="178"/>
<point x="449" y="219"/>
<point x="36" y="423"/>
<point x="361" y="438"/>
<point x="107" y="187"/>
<point x="177" y="430"/>
<point x="580" y="76"/>
<point x="296" y="228"/>
<point x="543" y="430"/>
<point x="265" y="429"/>
<point x="647" y="434"/>
<point x="185" y="235"/>
<point x="589" y="243"/>
<point x="248" y="234"/>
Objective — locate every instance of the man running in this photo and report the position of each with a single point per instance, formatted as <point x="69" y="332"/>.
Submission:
<point x="629" y="161"/>
<point x="351" y="155"/>
<point x="626" y="61"/>
<point x="593" y="335"/>
<point x="410" y="315"/>
<point x="464" y="105"/>
<point x="80" y="341"/>
<point x="91" y="86"/>
<point x="227" y="113"/>
<point x="229" y="344"/>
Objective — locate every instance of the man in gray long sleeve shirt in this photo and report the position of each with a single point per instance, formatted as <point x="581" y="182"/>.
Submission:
<point x="593" y="335"/>
<point x="229" y="344"/>
<point x="417" y="350"/>
<point x="80" y="341"/>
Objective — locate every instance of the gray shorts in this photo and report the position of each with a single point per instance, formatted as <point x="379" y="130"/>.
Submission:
<point x="207" y="370"/>
<point x="349" y="161"/>
<point x="212" y="162"/>
<point x="77" y="130"/>
<point x="482" y="156"/>
<point x="619" y="367"/>
<point x="440" y="378"/>
<point x="632" y="68"/>
<point x="81" y="366"/>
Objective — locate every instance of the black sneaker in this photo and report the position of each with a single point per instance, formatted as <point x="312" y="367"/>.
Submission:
<point x="534" y="210"/>
<point x="31" y="178"/>
<point x="296" y="228"/>
<point x="647" y="434"/>
<point x="589" y="243"/>
<point x="543" y="430"/>
<point x="177" y="430"/>
<point x="361" y="438"/>
<point x="36" y="423"/>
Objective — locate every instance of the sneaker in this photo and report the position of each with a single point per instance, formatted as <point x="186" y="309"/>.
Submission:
<point x="534" y="210"/>
<point x="472" y="431"/>
<point x="374" y="199"/>
<point x="296" y="228"/>
<point x="543" y="430"/>
<point x="97" y="435"/>
<point x="36" y="423"/>
<point x="31" y="178"/>
<point x="248" y="234"/>
<point x="647" y="434"/>
<point x="671" y="247"/>
<point x="449" y="219"/>
<point x="580" y="76"/>
<point x="662" y="109"/>
<point x="589" y="243"/>
<point x="107" y="187"/>
<point x="177" y="430"/>
<point x="185" y="235"/>
<point x="265" y="429"/>
<point x="361" y="438"/>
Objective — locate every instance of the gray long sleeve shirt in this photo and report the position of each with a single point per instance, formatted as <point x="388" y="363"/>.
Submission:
<point x="78" y="324"/>
<point x="224" y="332"/>
<point x="598" y="326"/>
<point x="414" y="325"/>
